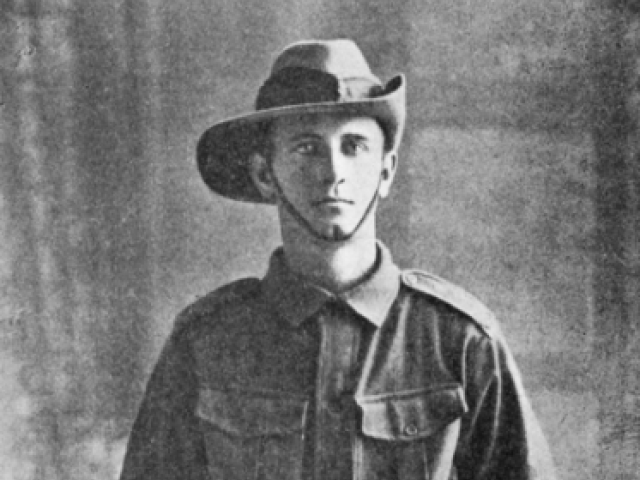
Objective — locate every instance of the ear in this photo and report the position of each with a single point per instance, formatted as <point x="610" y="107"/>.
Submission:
<point x="389" y="166"/>
<point x="262" y="177"/>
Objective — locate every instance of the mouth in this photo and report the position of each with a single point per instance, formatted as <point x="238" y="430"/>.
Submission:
<point x="331" y="201"/>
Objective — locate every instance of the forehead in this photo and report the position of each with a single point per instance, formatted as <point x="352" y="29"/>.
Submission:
<point x="325" y="124"/>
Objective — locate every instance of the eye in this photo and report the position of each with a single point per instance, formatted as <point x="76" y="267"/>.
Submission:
<point x="354" y="146"/>
<point x="306" y="148"/>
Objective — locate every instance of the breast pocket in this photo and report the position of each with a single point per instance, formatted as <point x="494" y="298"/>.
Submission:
<point x="414" y="432"/>
<point x="253" y="435"/>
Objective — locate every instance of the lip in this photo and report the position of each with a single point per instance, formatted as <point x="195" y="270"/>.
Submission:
<point x="331" y="201"/>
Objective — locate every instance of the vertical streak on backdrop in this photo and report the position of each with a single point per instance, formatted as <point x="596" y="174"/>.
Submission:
<point x="113" y="190"/>
<point x="615" y="129"/>
<point x="43" y="347"/>
<point x="23" y="302"/>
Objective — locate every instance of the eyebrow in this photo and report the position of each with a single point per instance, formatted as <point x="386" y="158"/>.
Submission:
<point x="310" y="135"/>
<point x="303" y="136"/>
<point x="357" y="136"/>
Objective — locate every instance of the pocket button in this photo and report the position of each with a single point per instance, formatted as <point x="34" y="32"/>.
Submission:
<point x="411" y="430"/>
<point x="335" y="407"/>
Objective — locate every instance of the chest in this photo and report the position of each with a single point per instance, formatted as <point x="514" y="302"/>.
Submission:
<point x="336" y="393"/>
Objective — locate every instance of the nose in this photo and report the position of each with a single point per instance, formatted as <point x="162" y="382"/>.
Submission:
<point x="333" y="166"/>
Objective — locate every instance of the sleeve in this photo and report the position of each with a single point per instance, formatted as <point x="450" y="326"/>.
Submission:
<point x="502" y="439"/>
<point x="165" y="442"/>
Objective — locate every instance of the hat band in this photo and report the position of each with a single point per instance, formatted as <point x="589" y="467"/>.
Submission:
<point x="299" y="85"/>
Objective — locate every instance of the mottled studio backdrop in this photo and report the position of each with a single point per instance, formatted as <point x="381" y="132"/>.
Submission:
<point x="519" y="180"/>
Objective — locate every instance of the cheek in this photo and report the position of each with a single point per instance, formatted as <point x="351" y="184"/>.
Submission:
<point x="369" y="181"/>
<point x="293" y="177"/>
<point x="368" y="173"/>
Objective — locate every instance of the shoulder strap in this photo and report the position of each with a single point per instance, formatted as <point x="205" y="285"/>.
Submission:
<point x="453" y="295"/>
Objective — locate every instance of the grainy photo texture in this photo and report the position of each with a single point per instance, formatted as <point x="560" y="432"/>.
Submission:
<point x="493" y="144"/>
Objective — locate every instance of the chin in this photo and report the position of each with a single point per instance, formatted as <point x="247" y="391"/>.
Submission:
<point x="344" y="233"/>
<point x="332" y="231"/>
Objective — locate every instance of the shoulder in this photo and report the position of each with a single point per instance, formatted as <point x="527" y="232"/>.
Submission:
<point x="227" y="296"/>
<point x="454" y="296"/>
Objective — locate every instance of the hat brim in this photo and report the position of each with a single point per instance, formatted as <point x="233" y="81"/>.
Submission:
<point x="224" y="149"/>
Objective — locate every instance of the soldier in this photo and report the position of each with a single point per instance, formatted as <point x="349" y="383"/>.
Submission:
<point x="336" y="364"/>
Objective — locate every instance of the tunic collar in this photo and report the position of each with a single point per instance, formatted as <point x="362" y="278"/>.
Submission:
<point x="296" y="299"/>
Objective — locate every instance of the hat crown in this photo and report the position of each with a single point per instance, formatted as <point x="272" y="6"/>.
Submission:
<point x="341" y="58"/>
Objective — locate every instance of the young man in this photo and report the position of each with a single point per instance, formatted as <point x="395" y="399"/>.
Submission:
<point x="336" y="364"/>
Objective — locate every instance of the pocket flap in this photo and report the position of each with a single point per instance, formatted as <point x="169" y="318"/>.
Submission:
<point x="251" y="414"/>
<point x="411" y="414"/>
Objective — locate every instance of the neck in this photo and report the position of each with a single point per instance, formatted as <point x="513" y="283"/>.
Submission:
<point x="336" y="266"/>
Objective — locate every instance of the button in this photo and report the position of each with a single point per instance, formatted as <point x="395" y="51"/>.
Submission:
<point x="336" y="406"/>
<point x="411" y="430"/>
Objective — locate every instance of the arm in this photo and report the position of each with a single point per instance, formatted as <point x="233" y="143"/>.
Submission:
<point x="502" y="439"/>
<point x="165" y="442"/>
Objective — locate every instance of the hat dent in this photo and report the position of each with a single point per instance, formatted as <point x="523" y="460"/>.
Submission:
<point x="342" y="58"/>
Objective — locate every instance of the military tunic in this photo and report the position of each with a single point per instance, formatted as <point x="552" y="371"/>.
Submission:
<point x="403" y="377"/>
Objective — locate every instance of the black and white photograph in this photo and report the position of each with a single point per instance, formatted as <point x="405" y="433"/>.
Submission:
<point x="320" y="240"/>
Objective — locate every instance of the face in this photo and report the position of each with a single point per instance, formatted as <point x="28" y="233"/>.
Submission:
<point x="330" y="168"/>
